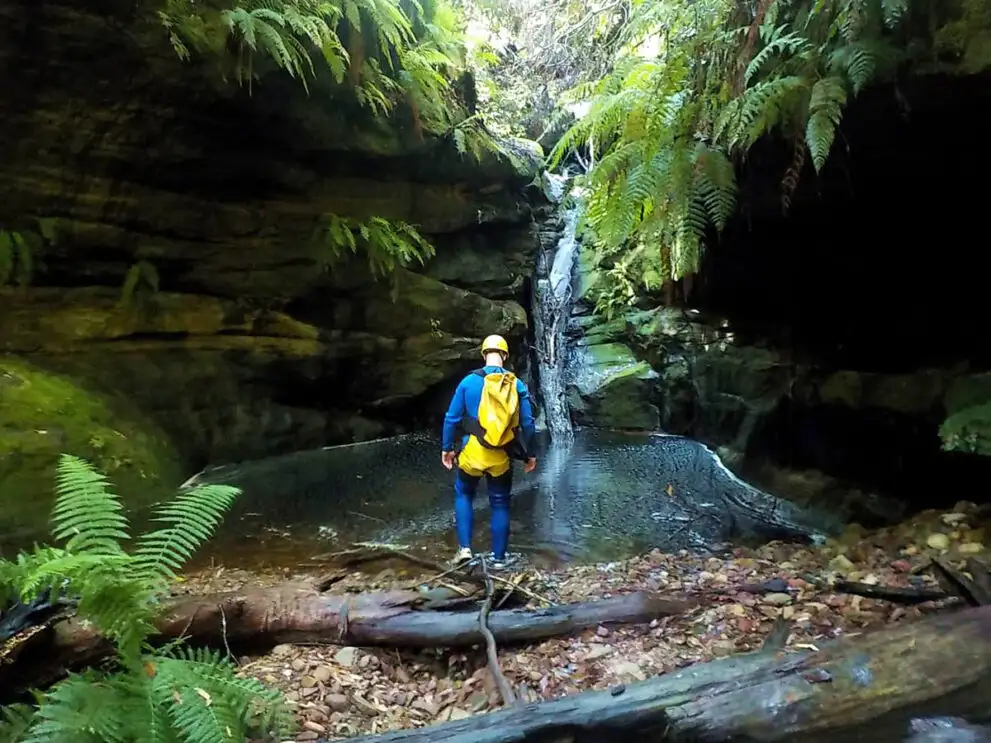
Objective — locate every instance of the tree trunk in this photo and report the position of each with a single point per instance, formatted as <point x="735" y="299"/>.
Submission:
<point x="298" y="613"/>
<point x="864" y="688"/>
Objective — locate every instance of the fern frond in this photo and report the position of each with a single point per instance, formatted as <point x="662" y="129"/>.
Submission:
<point x="15" y="720"/>
<point x="191" y="517"/>
<point x="779" y="43"/>
<point x="83" y="708"/>
<point x="87" y="513"/>
<point x="894" y="12"/>
<point x="825" y="111"/>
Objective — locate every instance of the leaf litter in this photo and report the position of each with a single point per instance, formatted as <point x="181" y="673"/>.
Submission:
<point x="342" y="692"/>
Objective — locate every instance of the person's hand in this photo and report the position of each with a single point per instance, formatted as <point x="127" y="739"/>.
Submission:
<point x="447" y="459"/>
<point x="530" y="465"/>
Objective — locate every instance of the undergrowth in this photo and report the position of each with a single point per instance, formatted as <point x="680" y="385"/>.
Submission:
<point x="170" y="694"/>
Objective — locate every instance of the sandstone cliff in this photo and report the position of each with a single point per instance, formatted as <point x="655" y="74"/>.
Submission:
<point x="125" y="154"/>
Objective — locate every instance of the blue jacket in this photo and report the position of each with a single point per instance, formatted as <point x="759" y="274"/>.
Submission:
<point x="466" y="399"/>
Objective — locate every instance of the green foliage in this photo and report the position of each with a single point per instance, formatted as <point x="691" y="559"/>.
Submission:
<point x="16" y="259"/>
<point x="965" y="38"/>
<point x="140" y="282"/>
<point x="19" y="249"/>
<point x="694" y="86"/>
<point x="387" y="245"/>
<point x="168" y="695"/>
<point x="385" y="51"/>
<point x="554" y="45"/>
<point x="968" y="430"/>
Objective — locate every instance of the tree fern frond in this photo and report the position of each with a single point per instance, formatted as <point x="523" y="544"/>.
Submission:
<point x="192" y="518"/>
<point x="87" y="512"/>
<point x="825" y="111"/>
<point x="780" y="42"/>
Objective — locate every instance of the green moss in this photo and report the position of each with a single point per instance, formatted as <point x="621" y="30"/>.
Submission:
<point x="42" y="415"/>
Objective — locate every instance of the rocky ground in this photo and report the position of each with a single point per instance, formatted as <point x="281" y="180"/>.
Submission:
<point x="343" y="692"/>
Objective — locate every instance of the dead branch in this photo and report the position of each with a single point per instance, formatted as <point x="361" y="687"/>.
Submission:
<point x="505" y="690"/>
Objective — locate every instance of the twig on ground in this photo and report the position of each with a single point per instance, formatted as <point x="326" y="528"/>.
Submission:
<point x="524" y="591"/>
<point x="958" y="583"/>
<point x="505" y="690"/>
<point x="223" y="630"/>
<point x="894" y="594"/>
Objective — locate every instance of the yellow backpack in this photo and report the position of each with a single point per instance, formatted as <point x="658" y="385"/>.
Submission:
<point x="498" y="410"/>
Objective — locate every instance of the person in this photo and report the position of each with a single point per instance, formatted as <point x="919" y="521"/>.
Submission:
<point x="500" y="399"/>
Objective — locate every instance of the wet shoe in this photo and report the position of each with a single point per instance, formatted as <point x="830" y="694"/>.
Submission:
<point x="463" y="555"/>
<point x="506" y="562"/>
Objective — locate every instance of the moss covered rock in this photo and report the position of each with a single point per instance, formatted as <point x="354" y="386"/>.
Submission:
<point x="613" y="389"/>
<point x="44" y="414"/>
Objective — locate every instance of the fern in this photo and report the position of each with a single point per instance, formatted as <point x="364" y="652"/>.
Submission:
<point x="825" y="109"/>
<point x="172" y="695"/>
<point x="668" y="124"/>
<point x="385" y="51"/>
<point x="191" y="518"/>
<point x="387" y="245"/>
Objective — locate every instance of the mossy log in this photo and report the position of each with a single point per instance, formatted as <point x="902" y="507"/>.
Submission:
<point x="864" y="688"/>
<point x="296" y="613"/>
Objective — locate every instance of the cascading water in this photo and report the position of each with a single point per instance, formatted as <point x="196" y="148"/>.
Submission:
<point x="553" y="293"/>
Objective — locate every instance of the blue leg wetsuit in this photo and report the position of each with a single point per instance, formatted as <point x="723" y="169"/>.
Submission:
<point x="499" y="490"/>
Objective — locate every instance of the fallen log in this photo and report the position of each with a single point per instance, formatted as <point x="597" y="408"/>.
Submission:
<point x="299" y="614"/>
<point x="855" y="689"/>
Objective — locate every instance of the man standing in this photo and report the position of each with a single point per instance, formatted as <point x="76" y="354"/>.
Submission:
<point x="494" y="407"/>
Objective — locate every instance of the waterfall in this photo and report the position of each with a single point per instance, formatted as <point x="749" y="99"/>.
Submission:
<point x="552" y="298"/>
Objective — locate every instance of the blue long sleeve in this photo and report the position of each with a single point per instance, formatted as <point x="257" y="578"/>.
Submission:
<point x="455" y="414"/>
<point x="528" y="425"/>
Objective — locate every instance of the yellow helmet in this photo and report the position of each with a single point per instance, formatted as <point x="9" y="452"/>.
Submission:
<point x="495" y="343"/>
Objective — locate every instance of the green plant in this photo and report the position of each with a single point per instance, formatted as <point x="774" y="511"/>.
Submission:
<point x="387" y="245"/>
<point x="694" y="86"/>
<point x="19" y="249"/>
<point x="384" y="51"/>
<point x="140" y="282"/>
<point x="16" y="259"/>
<point x="166" y="695"/>
<point x="968" y="430"/>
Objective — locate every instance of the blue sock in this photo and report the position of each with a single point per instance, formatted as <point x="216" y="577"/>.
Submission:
<point x="465" y="487"/>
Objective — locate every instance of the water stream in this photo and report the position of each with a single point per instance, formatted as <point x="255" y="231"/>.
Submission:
<point x="552" y="301"/>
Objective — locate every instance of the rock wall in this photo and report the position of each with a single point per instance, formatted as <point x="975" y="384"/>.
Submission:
<point x="127" y="154"/>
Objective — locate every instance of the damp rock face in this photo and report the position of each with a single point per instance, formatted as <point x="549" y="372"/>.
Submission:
<point x="42" y="415"/>
<point x="248" y="347"/>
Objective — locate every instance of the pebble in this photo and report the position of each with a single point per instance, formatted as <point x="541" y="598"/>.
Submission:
<point x="322" y="674"/>
<point x="338" y="702"/>
<point x="346" y="656"/>
<point x="777" y="599"/>
<point x="598" y="651"/>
